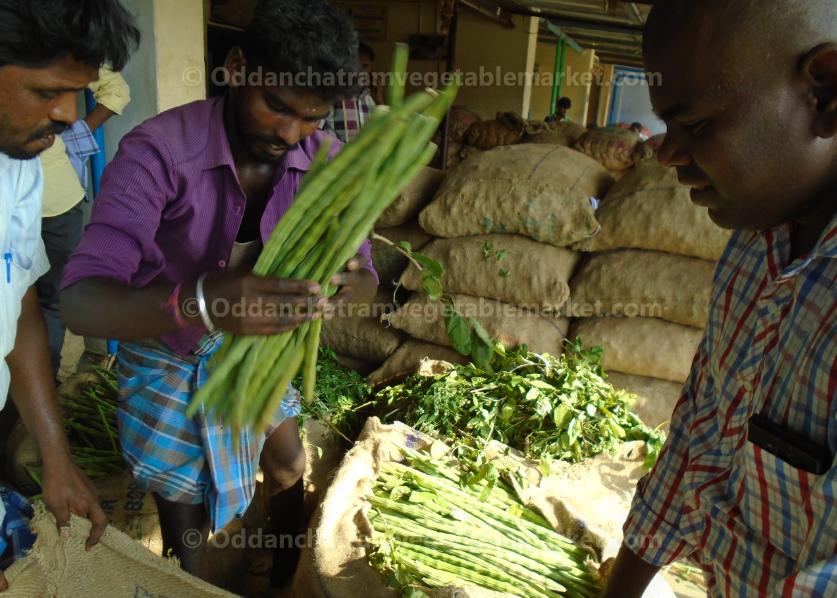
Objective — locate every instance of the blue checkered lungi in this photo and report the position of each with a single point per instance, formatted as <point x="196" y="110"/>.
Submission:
<point x="186" y="460"/>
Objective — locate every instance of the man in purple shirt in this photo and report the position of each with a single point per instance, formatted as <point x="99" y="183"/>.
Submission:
<point x="187" y="202"/>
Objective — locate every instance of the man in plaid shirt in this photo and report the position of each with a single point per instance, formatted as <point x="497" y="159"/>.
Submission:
<point x="348" y="116"/>
<point x="746" y="486"/>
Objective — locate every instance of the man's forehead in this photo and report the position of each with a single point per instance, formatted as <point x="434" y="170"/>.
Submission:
<point x="63" y="74"/>
<point x="304" y="102"/>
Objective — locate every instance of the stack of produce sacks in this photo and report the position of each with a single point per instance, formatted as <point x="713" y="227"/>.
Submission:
<point x="362" y="341"/>
<point x="643" y="292"/>
<point x="504" y="220"/>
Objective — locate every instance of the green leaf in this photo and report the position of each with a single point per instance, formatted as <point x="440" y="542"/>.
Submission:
<point x="480" y="331"/>
<point x="504" y="273"/>
<point x="405" y="246"/>
<point x="481" y="351"/>
<point x="502" y="254"/>
<point x="561" y="416"/>
<point x="487" y="249"/>
<point x="431" y="285"/>
<point x="429" y="264"/>
<point x="458" y="331"/>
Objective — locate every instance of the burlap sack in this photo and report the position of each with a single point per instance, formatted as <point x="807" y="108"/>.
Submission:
<point x="363" y="336"/>
<point x="511" y="268"/>
<point x="412" y="199"/>
<point x="539" y="191"/>
<point x="613" y="148"/>
<point x="423" y="319"/>
<point x="117" y="567"/>
<point x="454" y="157"/>
<point x="649" y="209"/>
<point x="461" y="119"/>
<point x="643" y="283"/>
<point x="389" y="262"/>
<point x="587" y="502"/>
<point x="642" y="346"/>
<point x="353" y="363"/>
<point x="655" y="398"/>
<point x="507" y="129"/>
<point x="408" y="359"/>
<point x="562" y="133"/>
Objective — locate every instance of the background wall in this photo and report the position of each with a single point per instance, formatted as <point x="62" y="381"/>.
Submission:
<point x="172" y="47"/>
<point x="482" y="43"/>
<point x="579" y="64"/>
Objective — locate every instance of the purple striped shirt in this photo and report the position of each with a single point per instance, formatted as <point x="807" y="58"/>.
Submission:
<point x="170" y="204"/>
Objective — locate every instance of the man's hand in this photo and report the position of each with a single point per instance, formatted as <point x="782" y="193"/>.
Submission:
<point x="627" y="576"/>
<point x="67" y="490"/>
<point x="357" y="286"/>
<point x="253" y="305"/>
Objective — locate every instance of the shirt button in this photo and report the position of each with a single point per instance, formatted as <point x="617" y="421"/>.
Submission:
<point x="238" y="209"/>
<point x="222" y="263"/>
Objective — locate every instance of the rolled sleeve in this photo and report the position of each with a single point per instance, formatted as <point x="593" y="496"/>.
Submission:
<point x="121" y="237"/>
<point x="652" y="530"/>
<point x="111" y="90"/>
<point x="366" y="251"/>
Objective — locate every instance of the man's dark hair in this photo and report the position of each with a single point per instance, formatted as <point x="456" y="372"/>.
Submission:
<point x="365" y="49"/>
<point x="37" y="33"/>
<point x="637" y="126"/>
<point x="292" y="37"/>
<point x="565" y="103"/>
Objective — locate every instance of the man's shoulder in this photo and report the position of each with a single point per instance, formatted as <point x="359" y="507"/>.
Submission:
<point x="19" y="177"/>
<point x="184" y="130"/>
<point x="312" y="144"/>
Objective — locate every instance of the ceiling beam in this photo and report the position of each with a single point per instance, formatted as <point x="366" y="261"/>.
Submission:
<point x="594" y="26"/>
<point x="491" y="10"/>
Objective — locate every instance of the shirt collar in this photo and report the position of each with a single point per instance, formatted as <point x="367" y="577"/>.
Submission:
<point x="827" y="247"/>
<point x="220" y="154"/>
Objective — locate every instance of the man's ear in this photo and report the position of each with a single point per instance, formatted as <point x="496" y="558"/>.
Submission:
<point x="235" y="66"/>
<point x="819" y="67"/>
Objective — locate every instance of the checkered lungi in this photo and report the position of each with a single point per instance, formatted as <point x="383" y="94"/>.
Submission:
<point x="186" y="460"/>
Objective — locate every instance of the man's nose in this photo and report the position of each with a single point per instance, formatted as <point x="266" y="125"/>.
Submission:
<point x="673" y="151"/>
<point x="64" y="109"/>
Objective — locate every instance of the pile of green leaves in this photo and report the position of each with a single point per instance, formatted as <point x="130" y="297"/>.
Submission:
<point x="341" y="397"/>
<point x="547" y="407"/>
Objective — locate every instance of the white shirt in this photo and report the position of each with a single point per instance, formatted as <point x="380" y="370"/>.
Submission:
<point x="21" y="190"/>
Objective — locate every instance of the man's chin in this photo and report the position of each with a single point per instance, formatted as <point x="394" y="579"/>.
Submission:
<point x="22" y="152"/>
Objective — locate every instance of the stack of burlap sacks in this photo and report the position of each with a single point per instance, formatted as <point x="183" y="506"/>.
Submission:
<point x="501" y="225"/>
<point x="528" y="255"/>
<point x="642" y="290"/>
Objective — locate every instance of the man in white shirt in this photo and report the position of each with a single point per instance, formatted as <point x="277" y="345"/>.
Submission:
<point x="48" y="52"/>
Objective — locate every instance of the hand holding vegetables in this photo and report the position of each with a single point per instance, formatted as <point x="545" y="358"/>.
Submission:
<point x="243" y="303"/>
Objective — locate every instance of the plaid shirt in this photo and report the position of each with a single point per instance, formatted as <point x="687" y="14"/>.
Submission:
<point x="755" y="525"/>
<point x="81" y="144"/>
<point x="348" y="117"/>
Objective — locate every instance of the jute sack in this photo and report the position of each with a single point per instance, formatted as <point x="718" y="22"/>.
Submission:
<point x="412" y="199"/>
<point x="613" y="148"/>
<point x="562" y="133"/>
<point x="511" y="268"/>
<point x="353" y="363"/>
<point x="642" y="346"/>
<point x="117" y="567"/>
<point x="539" y="191"/>
<point x="423" y="319"/>
<point x="409" y="358"/>
<point x="650" y="209"/>
<point x="389" y="263"/>
<point x="635" y="283"/>
<point x="655" y="398"/>
<point x="362" y="334"/>
<point x="587" y="502"/>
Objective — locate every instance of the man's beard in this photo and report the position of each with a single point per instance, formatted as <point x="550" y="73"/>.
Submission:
<point x="18" y="152"/>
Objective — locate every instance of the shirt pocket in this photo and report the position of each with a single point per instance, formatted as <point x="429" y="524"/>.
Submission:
<point x="776" y="498"/>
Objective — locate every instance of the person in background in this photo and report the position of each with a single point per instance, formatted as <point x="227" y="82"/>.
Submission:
<point x="183" y="212"/>
<point x="348" y="116"/>
<point x="65" y="183"/>
<point x="746" y="484"/>
<point x="48" y="52"/>
<point x="563" y="107"/>
<point x="637" y="128"/>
